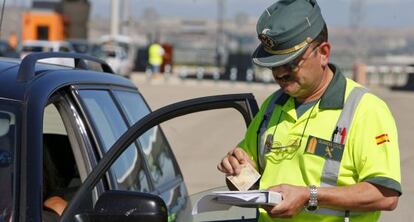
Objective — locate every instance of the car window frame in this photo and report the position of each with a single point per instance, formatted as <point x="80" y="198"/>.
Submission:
<point x="165" y="186"/>
<point x="73" y="120"/>
<point x="244" y="103"/>
<point x="80" y="140"/>
<point x="15" y="107"/>
<point x="109" y="178"/>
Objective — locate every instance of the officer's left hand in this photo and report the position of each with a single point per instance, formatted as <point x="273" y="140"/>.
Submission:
<point x="294" y="200"/>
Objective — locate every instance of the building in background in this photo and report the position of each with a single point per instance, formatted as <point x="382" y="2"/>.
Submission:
<point x="194" y="40"/>
<point x="56" y="20"/>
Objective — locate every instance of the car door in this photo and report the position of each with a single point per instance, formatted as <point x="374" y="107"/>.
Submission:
<point x="245" y="104"/>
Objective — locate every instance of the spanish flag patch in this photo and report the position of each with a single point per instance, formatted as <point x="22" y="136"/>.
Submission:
<point x="382" y="139"/>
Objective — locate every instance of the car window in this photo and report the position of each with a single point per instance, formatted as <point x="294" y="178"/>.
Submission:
<point x="64" y="49"/>
<point x="97" y="51"/>
<point x="52" y="122"/>
<point x="153" y="143"/>
<point x="7" y="147"/>
<point x="123" y="55"/>
<point x="132" y="104"/>
<point x="61" y="177"/>
<point x="173" y="193"/>
<point x="110" y="53"/>
<point x="128" y="168"/>
<point x="32" y="49"/>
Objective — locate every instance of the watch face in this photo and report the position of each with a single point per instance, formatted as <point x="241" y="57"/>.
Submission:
<point x="311" y="208"/>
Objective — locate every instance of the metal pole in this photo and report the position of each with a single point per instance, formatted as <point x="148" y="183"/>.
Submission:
<point x="219" y="37"/>
<point x="2" y="14"/>
<point x="126" y="18"/>
<point x="115" y="18"/>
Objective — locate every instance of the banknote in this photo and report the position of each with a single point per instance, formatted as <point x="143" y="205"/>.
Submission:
<point x="247" y="177"/>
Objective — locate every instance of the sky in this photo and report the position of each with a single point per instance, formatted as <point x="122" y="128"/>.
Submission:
<point x="376" y="13"/>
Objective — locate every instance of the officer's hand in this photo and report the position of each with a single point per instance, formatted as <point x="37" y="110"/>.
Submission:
<point x="294" y="200"/>
<point x="231" y="163"/>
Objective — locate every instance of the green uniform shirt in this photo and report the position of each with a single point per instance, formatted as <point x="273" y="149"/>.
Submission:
<point x="371" y="151"/>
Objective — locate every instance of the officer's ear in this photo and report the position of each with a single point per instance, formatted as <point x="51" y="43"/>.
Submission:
<point x="324" y="52"/>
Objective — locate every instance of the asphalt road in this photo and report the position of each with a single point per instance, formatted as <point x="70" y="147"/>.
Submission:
<point x="200" y="140"/>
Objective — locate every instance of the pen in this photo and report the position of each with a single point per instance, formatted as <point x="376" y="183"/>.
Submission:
<point x="343" y="135"/>
<point x="334" y="134"/>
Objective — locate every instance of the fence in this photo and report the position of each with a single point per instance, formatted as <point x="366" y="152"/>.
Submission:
<point x="388" y="75"/>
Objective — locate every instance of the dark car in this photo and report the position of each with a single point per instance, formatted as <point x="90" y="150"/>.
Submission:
<point x="86" y="47"/>
<point x="7" y="51"/>
<point x="90" y="137"/>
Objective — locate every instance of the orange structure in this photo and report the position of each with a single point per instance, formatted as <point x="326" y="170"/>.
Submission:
<point x="43" y="25"/>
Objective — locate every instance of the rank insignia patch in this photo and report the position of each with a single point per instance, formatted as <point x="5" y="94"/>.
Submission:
<point x="383" y="138"/>
<point x="324" y="148"/>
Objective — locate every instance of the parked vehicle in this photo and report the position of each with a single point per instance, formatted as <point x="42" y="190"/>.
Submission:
<point x="31" y="46"/>
<point x="7" y="51"/>
<point x="118" y="59"/>
<point x="120" y="52"/>
<point x="87" y="47"/>
<point x="90" y="137"/>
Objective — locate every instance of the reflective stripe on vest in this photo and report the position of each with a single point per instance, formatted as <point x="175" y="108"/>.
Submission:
<point x="331" y="168"/>
<point x="262" y="130"/>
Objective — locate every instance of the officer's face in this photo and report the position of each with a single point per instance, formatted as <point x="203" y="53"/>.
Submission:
<point x="304" y="79"/>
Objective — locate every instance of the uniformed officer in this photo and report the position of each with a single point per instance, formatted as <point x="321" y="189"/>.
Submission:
<point x="329" y="146"/>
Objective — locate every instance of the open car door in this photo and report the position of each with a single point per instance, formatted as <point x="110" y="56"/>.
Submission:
<point x="132" y="206"/>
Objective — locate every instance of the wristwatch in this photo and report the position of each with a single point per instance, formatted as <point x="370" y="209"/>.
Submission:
<point x="313" y="199"/>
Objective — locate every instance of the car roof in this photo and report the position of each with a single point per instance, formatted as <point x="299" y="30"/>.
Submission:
<point x="48" y="78"/>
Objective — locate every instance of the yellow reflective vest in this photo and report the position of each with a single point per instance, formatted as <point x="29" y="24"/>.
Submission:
<point x="300" y="147"/>
<point x="155" y="54"/>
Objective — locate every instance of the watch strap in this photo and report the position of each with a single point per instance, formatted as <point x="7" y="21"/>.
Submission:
<point x="313" y="198"/>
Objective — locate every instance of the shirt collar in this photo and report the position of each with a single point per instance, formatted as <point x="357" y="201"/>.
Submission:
<point x="333" y="97"/>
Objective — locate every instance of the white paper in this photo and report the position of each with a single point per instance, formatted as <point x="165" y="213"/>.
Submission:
<point x="223" y="200"/>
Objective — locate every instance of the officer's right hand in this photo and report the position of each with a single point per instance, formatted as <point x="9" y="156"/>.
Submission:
<point x="231" y="163"/>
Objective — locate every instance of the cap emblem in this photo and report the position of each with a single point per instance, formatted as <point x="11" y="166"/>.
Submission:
<point x="266" y="40"/>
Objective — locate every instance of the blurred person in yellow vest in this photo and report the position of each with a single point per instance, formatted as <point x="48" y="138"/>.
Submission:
<point x="156" y="53"/>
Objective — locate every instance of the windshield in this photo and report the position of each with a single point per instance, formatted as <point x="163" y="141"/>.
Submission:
<point x="7" y="147"/>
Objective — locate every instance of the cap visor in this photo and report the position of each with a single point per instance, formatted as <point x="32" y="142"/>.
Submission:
<point x="265" y="59"/>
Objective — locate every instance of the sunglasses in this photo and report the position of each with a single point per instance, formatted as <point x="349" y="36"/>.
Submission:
<point x="292" y="66"/>
<point x="279" y="147"/>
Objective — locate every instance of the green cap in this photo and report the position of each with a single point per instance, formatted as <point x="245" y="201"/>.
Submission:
<point x="285" y="30"/>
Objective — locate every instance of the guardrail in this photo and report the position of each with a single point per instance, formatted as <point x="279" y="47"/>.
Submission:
<point x="383" y="75"/>
<point x="388" y="75"/>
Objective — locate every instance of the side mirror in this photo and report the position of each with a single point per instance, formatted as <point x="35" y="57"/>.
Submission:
<point x="126" y="206"/>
